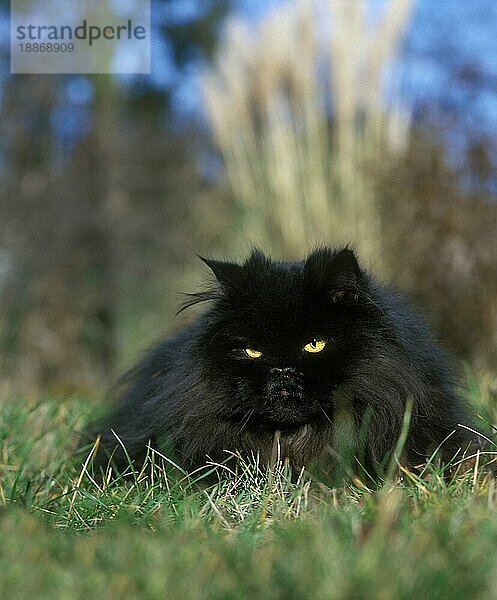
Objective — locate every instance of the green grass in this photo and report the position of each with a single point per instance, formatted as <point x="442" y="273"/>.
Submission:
<point x="257" y="535"/>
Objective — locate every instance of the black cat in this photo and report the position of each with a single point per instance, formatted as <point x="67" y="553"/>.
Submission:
<point x="295" y="348"/>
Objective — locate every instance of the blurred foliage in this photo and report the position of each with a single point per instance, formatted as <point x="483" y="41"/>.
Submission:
<point x="97" y="193"/>
<point x="441" y="242"/>
<point x="200" y="34"/>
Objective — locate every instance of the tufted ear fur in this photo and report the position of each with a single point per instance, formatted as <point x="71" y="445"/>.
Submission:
<point x="333" y="269"/>
<point x="346" y="268"/>
<point x="230" y="276"/>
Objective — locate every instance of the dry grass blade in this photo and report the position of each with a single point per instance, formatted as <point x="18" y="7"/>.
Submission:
<point x="83" y="472"/>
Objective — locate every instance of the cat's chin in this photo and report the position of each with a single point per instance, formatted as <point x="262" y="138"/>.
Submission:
<point x="285" y="427"/>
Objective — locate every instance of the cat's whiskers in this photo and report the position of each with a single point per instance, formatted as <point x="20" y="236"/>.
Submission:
<point x="245" y="421"/>
<point x="325" y="413"/>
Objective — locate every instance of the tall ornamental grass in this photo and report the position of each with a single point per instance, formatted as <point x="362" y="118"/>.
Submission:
<point x="297" y="105"/>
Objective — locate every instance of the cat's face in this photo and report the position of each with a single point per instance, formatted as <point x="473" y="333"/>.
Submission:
<point x="282" y="336"/>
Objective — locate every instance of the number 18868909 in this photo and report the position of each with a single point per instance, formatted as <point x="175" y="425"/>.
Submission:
<point x="47" y="47"/>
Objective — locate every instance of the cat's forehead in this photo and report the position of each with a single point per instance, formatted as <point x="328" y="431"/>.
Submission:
<point x="282" y="307"/>
<point x="283" y="299"/>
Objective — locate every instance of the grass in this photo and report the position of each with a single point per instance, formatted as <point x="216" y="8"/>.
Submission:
<point x="300" y="113"/>
<point x="160" y="535"/>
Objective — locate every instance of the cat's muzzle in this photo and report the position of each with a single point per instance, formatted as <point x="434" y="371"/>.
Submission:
<point x="284" y="384"/>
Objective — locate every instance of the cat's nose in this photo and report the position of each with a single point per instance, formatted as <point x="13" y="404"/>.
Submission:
<point x="284" y="372"/>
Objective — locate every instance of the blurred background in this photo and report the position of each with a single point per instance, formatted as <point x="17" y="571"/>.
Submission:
<point x="283" y="124"/>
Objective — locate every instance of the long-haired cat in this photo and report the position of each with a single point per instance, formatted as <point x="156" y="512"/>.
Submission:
<point x="293" y="348"/>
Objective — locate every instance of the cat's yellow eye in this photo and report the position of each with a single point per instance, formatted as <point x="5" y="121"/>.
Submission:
<point x="253" y="353"/>
<point x="315" y="346"/>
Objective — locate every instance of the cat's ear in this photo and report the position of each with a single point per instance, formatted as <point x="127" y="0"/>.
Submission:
<point x="229" y="275"/>
<point x="333" y="269"/>
<point x="346" y="267"/>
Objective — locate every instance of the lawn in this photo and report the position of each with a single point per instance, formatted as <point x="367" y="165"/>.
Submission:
<point x="255" y="535"/>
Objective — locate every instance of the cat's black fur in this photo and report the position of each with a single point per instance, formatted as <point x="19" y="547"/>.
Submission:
<point x="200" y="393"/>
